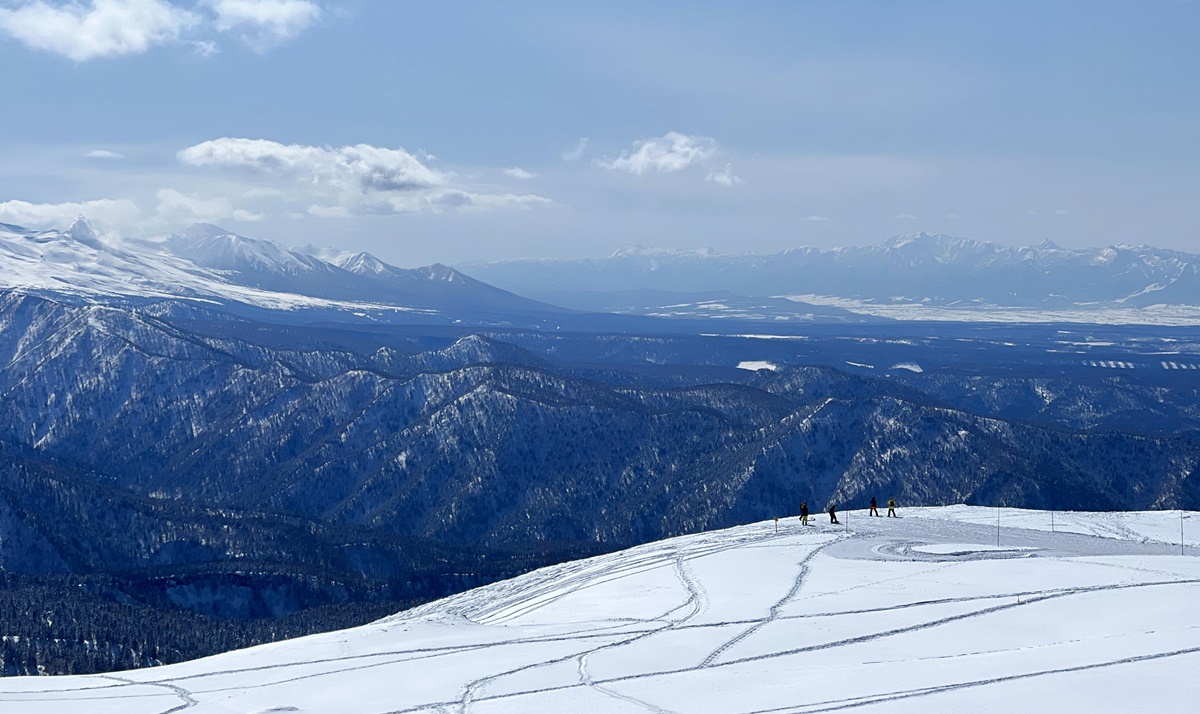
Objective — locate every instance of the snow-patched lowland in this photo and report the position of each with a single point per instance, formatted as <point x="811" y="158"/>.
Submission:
<point x="1068" y="612"/>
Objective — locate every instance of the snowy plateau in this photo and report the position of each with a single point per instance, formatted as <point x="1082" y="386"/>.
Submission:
<point x="918" y="276"/>
<point x="952" y="609"/>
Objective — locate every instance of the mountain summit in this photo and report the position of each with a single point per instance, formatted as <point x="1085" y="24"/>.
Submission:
<point x="215" y="265"/>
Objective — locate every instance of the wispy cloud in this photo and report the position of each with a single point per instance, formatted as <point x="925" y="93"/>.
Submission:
<point x="816" y="219"/>
<point x="265" y="23"/>
<point x="103" y="154"/>
<point x="577" y="152"/>
<point x="905" y="217"/>
<point x="178" y="207"/>
<point x="519" y="173"/>
<point x="107" y="213"/>
<point x="1061" y="212"/>
<point x="724" y="177"/>
<point x="953" y="216"/>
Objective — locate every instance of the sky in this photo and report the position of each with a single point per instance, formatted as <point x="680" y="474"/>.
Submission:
<point x="455" y="131"/>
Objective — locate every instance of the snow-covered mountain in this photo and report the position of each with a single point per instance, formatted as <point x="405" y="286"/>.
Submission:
<point x="208" y="264"/>
<point x="921" y="267"/>
<point x="939" y="610"/>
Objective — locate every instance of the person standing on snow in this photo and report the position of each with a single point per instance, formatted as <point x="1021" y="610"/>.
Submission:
<point x="833" y="515"/>
<point x="804" y="513"/>
<point x="874" y="510"/>
<point x="892" y="508"/>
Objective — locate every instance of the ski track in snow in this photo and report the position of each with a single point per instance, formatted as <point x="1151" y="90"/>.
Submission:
<point x="542" y="641"/>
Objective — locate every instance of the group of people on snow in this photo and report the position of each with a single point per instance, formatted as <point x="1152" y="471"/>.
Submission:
<point x="833" y="511"/>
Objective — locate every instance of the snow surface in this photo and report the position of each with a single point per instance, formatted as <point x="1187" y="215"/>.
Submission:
<point x="201" y="264"/>
<point x="1071" y="612"/>
<point x="755" y="365"/>
<point x="1164" y="314"/>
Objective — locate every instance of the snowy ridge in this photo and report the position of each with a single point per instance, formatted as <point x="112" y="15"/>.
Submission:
<point x="921" y="268"/>
<point x="209" y="264"/>
<point x="922" y="613"/>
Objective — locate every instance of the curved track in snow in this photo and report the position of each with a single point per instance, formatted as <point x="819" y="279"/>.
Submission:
<point x="926" y="612"/>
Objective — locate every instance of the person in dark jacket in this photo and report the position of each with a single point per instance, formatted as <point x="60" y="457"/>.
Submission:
<point x="874" y="510"/>
<point x="892" y="508"/>
<point x="804" y="513"/>
<point x="833" y="515"/>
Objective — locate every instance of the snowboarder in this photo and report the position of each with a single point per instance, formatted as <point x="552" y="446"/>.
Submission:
<point x="874" y="510"/>
<point x="804" y="513"/>
<point x="833" y="515"/>
<point x="892" y="508"/>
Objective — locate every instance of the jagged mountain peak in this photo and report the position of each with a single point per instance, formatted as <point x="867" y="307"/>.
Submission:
<point x="211" y="246"/>
<point x="930" y="241"/>
<point x="444" y="273"/>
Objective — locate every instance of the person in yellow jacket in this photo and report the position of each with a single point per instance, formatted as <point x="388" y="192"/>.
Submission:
<point x="892" y="508"/>
<point x="804" y="513"/>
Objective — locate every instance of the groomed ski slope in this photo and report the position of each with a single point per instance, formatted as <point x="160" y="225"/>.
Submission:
<point x="923" y="613"/>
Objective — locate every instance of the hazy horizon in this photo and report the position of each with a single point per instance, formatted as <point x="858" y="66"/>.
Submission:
<point x="464" y="131"/>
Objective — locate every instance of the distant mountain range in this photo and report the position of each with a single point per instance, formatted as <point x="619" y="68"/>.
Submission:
<point x="922" y="267"/>
<point x="207" y="265"/>
<point x="204" y="429"/>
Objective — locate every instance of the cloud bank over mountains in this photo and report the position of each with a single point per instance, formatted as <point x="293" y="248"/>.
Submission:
<point x="248" y="180"/>
<point x="99" y="29"/>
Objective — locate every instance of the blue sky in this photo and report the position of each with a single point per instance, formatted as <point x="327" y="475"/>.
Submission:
<point x="451" y="131"/>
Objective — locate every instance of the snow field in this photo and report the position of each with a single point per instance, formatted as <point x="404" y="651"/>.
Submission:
<point x="918" y="613"/>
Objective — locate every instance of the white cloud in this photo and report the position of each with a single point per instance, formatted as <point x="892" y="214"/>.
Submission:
<point x="1031" y="212"/>
<point x="815" y="219"/>
<point x="953" y="216"/>
<point x="436" y="201"/>
<point x="349" y="180"/>
<point x="265" y="23"/>
<point x="360" y="167"/>
<point x="666" y="154"/>
<point x="576" y="152"/>
<point x="83" y="30"/>
<point x="103" y="154"/>
<point x="725" y="176"/>
<point x="904" y="216"/>
<point x="519" y="173"/>
<point x="178" y="207"/>
<point x="100" y="28"/>
<point x="105" y="213"/>
<point x="1061" y="212"/>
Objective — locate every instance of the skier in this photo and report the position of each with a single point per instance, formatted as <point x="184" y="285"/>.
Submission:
<point x="804" y="513"/>
<point x="874" y="510"/>
<point x="892" y="508"/>
<point x="833" y="515"/>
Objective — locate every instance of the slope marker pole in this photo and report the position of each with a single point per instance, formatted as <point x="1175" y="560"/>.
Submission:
<point x="1181" y="531"/>
<point x="997" y="526"/>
